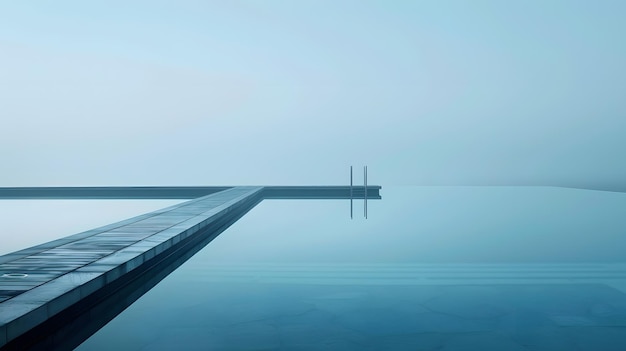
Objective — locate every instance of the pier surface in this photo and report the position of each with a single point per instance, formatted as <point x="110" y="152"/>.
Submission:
<point x="40" y="284"/>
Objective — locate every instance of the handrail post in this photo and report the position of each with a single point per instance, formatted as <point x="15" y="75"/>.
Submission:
<point x="365" y="191"/>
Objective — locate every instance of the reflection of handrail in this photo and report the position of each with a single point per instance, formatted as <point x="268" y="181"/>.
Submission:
<point x="351" y="194"/>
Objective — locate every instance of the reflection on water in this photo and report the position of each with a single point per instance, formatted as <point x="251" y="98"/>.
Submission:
<point x="27" y="223"/>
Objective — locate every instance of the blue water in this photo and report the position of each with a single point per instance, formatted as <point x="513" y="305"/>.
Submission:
<point x="433" y="268"/>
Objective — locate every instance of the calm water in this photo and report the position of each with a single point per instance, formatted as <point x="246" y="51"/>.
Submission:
<point x="433" y="268"/>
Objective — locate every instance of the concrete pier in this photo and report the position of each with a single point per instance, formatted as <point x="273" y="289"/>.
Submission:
<point x="52" y="283"/>
<point x="182" y="192"/>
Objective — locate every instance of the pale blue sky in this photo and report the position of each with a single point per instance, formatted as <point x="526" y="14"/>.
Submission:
<point x="293" y="92"/>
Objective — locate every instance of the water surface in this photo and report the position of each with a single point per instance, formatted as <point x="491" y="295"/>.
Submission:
<point x="433" y="268"/>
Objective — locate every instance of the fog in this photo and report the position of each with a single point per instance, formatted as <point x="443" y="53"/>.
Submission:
<point x="293" y="93"/>
<point x="205" y="93"/>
